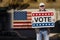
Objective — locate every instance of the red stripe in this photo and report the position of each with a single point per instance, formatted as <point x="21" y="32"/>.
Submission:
<point x="22" y="28"/>
<point x="29" y="16"/>
<point x="20" y="22"/>
<point x="22" y="25"/>
<point x="29" y="13"/>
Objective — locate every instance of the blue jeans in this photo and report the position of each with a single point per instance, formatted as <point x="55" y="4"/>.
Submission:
<point x="42" y="34"/>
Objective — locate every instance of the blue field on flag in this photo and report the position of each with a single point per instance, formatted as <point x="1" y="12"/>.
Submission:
<point x="20" y="15"/>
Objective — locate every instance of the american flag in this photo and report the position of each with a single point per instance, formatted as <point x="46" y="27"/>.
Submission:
<point x="22" y="19"/>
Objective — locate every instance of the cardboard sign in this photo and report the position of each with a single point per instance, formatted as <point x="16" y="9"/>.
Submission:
<point x="43" y="19"/>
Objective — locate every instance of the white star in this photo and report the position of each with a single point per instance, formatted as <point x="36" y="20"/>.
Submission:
<point x="40" y="24"/>
<point x="52" y="24"/>
<point x="49" y="23"/>
<point x="49" y="14"/>
<point x="42" y="14"/>
<point x="45" y="24"/>
<point x="36" y="14"/>
<point x="37" y="24"/>
<point x="33" y="14"/>
<point x="39" y="14"/>
<point x="33" y="25"/>
<point x="45" y="14"/>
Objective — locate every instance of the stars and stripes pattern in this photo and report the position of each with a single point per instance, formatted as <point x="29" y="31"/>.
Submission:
<point x="42" y="24"/>
<point x="43" y="14"/>
<point x="23" y="21"/>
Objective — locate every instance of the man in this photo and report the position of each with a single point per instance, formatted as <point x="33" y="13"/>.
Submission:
<point x="42" y="33"/>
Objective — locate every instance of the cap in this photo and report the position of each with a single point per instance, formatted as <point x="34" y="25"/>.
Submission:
<point x="41" y="4"/>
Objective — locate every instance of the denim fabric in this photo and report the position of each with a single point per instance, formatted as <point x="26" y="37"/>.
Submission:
<point x="42" y="34"/>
